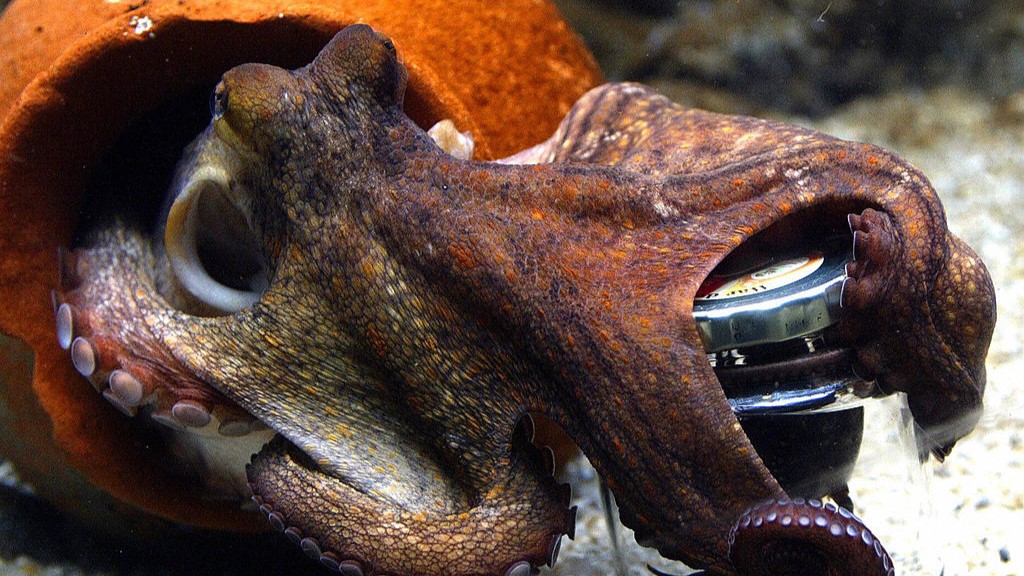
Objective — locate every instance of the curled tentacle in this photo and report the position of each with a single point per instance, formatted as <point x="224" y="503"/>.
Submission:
<point x="805" y="537"/>
<point x="514" y="528"/>
<point x="110" y="343"/>
<point x="109" y="339"/>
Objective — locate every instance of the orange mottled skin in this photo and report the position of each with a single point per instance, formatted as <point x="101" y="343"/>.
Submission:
<point x="420" y="305"/>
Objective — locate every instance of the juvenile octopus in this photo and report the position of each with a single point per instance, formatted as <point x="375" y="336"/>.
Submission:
<point x="375" y="318"/>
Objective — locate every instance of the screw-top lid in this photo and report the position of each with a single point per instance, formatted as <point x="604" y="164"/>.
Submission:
<point x="771" y="302"/>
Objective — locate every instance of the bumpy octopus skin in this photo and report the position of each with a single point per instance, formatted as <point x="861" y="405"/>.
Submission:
<point x="417" y="306"/>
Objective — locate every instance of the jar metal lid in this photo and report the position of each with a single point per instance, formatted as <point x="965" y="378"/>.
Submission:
<point x="777" y="301"/>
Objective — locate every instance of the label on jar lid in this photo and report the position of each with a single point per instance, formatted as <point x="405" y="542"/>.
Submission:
<point x="775" y="302"/>
<point x="768" y="278"/>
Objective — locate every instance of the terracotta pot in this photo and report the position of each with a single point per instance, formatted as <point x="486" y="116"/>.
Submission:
<point x="100" y="93"/>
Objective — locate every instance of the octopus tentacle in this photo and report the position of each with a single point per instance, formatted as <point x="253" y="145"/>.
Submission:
<point x="113" y="347"/>
<point x="905" y="274"/>
<point x="804" y="537"/>
<point x="143" y="352"/>
<point x="514" y="528"/>
<point x="868" y="276"/>
<point x="108" y="334"/>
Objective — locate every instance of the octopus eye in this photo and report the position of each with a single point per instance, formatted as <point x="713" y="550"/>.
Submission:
<point x="213" y="250"/>
<point x="218" y="101"/>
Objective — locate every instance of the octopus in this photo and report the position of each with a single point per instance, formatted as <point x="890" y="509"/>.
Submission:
<point x="373" y="317"/>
